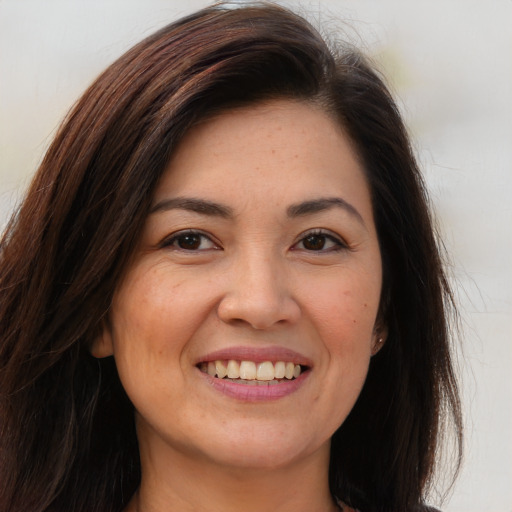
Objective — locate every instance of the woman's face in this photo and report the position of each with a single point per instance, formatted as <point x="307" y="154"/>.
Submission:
<point x="259" y="258"/>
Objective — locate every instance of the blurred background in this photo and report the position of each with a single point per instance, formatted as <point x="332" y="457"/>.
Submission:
<point x="449" y="64"/>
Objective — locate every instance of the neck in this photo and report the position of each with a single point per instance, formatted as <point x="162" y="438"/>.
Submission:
<point x="181" y="482"/>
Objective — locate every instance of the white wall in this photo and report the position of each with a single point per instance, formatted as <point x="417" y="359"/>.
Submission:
<point x="450" y="64"/>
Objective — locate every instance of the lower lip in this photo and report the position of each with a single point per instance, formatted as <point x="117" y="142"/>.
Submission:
<point x="257" y="393"/>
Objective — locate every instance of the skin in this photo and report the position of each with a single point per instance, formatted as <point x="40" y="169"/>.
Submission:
<point x="251" y="277"/>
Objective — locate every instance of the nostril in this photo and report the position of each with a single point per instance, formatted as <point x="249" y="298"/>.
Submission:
<point x="259" y="315"/>
<point x="258" y="295"/>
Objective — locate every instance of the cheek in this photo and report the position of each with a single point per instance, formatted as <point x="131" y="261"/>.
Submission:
<point x="155" y="314"/>
<point x="149" y="322"/>
<point x="345" y="311"/>
<point x="154" y="309"/>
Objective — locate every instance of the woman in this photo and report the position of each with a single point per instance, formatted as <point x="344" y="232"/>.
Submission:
<point x="223" y="289"/>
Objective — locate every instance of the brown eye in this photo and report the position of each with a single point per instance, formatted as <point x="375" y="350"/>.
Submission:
<point x="190" y="241"/>
<point x="319" y="242"/>
<point x="314" y="242"/>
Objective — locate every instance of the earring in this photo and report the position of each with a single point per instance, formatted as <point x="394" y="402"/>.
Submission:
<point x="378" y="345"/>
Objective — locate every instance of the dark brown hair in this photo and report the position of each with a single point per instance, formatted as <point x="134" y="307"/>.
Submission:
<point x="67" y="436"/>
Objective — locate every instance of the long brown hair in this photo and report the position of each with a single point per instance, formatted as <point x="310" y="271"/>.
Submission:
<point x="67" y="436"/>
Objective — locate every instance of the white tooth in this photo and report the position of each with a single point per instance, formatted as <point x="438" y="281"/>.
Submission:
<point x="247" y="370"/>
<point x="296" y="370"/>
<point x="220" y="369"/>
<point x="233" y="369"/>
<point x="279" y="370"/>
<point x="290" y="368"/>
<point x="211" y="368"/>
<point x="203" y="367"/>
<point x="265" y="371"/>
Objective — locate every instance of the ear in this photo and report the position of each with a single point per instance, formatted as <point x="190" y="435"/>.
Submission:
<point x="102" y="345"/>
<point x="380" y="335"/>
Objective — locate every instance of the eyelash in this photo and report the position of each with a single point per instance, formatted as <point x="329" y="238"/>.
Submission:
<point x="319" y="233"/>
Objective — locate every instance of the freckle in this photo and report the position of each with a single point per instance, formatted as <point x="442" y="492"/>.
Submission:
<point x="354" y="321"/>
<point x="273" y="151"/>
<point x="366" y="305"/>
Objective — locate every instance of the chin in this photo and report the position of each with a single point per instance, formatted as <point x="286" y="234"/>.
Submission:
<point x="265" y="449"/>
<point x="257" y="460"/>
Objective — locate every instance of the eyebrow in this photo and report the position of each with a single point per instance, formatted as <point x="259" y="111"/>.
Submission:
<point x="193" y="205"/>
<point x="213" y="209"/>
<point x="321" y="205"/>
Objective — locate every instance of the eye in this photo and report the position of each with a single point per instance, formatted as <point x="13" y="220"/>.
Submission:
<point x="190" y="241"/>
<point x="319" y="241"/>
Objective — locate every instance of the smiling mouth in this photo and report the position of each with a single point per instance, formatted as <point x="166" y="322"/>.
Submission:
<point x="252" y="373"/>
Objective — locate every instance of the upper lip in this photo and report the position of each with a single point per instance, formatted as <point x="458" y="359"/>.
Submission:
<point x="256" y="354"/>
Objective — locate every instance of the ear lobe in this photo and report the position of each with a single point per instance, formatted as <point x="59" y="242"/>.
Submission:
<point x="102" y="345"/>
<point x="380" y="335"/>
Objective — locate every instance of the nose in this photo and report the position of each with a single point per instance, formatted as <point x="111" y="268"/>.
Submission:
<point x="258" y="295"/>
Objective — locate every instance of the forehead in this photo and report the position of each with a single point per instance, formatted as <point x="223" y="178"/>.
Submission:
<point x="281" y="151"/>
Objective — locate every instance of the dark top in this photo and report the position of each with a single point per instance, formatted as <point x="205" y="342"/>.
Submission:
<point x="346" y="508"/>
